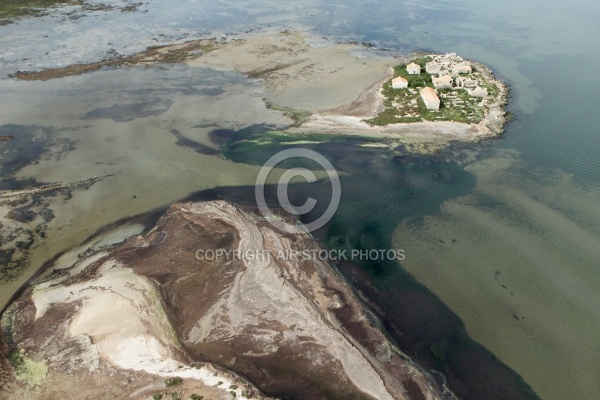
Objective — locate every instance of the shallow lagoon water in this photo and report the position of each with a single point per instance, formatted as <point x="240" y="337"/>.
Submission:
<point x="110" y="126"/>
<point x="528" y="225"/>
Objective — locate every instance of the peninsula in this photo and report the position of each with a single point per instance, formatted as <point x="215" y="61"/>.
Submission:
<point x="148" y="318"/>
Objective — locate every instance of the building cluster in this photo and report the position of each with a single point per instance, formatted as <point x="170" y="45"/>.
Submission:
<point x="447" y="71"/>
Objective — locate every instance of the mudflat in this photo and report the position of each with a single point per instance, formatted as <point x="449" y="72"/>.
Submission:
<point x="155" y="315"/>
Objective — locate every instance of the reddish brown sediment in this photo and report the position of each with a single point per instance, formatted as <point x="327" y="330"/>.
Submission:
<point x="151" y="308"/>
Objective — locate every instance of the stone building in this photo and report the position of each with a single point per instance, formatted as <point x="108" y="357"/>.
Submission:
<point x="478" y="92"/>
<point x="430" y="98"/>
<point x="443" y="82"/>
<point x="399" y="83"/>
<point x="433" y="67"/>
<point x="463" y="82"/>
<point x="462" y="69"/>
<point x="413" y="69"/>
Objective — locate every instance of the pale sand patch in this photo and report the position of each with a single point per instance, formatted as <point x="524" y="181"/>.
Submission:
<point x="114" y="236"/>
<point x="350" y="125"/>
<point x="122" y="314"/>
<point x="299" y="75"/>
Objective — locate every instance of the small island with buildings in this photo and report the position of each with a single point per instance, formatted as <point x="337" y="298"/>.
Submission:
<point x="437" y="88"/>
<point x="428" y="97"/>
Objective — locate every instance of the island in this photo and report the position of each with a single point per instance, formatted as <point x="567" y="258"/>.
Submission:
<point x="439" y="88"/>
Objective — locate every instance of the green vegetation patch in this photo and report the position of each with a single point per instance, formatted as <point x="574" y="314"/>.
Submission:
<point x="173" y="381"/>
<point x="20" y="8"/>
<point x="26" y="370"/>
<point x="32" y="373"/>
<point x="298" y="116"/>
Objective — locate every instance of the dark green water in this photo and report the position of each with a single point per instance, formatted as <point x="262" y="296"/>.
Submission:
<point x="380" y="189"/>
<point x="516" y="257"/>
<point x="509" y="243"/>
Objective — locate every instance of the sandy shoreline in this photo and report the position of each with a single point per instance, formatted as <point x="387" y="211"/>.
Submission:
<point x="352" y="125"/>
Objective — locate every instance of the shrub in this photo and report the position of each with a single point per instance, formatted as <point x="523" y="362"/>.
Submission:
<point x="173" y="381"/>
